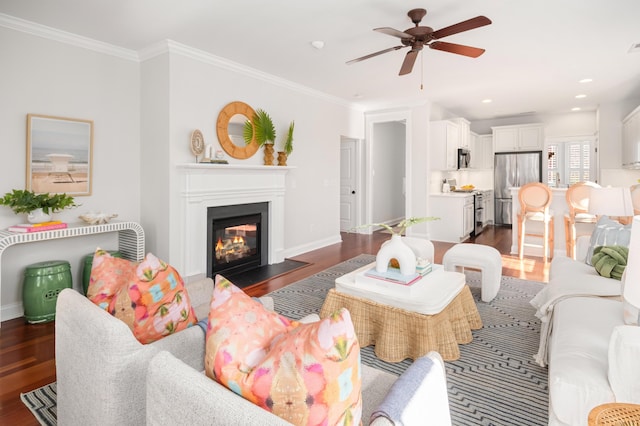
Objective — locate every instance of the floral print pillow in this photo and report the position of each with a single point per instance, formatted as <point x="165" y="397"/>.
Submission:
<point x="149" y="296"/>
<point x="307" y="374"/>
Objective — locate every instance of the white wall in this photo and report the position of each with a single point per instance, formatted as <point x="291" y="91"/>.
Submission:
<point x="388" y="172"/>
<point x="610" y="118"/>
<point x="43" y="76"/>
<point x="198" y="87"/>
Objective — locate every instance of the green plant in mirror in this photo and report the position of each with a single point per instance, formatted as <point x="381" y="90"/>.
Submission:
<point x="23" y="201"/>
<point x="262" y="127"/>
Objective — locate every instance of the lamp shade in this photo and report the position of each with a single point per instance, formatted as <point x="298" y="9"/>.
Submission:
<point x="611" y="201"/>
<point x="631" y="292"/>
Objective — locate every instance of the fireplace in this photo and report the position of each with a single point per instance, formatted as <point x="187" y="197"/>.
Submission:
<point x="237" y="238"/>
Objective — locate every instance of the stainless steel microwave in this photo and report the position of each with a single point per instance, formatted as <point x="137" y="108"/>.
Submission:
<point x="464" y="158"/>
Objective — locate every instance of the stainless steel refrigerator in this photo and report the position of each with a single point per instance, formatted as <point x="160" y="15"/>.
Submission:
<point x="513" y="169"/>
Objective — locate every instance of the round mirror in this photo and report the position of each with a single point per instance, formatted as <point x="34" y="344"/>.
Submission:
<point x="229" y="129"/>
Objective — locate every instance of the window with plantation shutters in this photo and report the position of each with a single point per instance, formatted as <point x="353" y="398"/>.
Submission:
<point x="570" y="162"/>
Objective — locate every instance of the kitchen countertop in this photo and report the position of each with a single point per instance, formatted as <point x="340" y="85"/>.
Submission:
<point x="457" y="194"/>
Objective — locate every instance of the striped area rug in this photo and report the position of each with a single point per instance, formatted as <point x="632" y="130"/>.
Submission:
<point x="495" y="381"/>
<point x="42" y="404"/>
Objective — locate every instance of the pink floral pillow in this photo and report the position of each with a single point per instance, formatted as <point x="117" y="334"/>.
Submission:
<point x="307" y="374"/>
<point x="149" y="296"/>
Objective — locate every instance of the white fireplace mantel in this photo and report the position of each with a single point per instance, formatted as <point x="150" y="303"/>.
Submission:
<point x="213" y="185"/>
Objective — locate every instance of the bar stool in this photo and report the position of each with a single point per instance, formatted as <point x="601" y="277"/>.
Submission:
<point x="535" y="199"/>
<point x="578" y="202"/>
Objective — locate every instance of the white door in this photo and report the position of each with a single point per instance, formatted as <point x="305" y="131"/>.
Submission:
<point x="348" y="183"/>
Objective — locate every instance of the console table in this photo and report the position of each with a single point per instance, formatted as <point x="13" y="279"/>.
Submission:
<point x="130" y="238"/>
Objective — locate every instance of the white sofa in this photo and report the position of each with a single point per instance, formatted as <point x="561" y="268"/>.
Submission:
<point x="591" y="354"/>
<point x="106" y="377"/>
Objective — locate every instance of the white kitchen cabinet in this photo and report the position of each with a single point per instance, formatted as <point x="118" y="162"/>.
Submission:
<point x="455" y="211"/>
<point x="488" y="207"/>
<point x="443" y="145"/>
<point x="464" y="132"/>
<point x="631" y="140"/>
<point x="524" y="137"/>
<point x="481" y="151"/>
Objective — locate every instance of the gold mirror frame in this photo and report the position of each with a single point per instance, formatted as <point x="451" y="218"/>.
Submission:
<point x="222" y="129"/>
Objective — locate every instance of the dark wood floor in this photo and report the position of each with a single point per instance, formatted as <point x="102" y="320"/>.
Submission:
<point x="27" y="350"/>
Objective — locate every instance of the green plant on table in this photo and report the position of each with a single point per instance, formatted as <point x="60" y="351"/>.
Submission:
<point x="403" y="225"/>
<point x="23" y="201"/>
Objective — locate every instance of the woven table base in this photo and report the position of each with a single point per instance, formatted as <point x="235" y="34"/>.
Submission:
<point x="399" y="334"/>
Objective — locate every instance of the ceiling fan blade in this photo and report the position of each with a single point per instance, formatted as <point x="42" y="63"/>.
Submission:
<point x="460" y="49"/>
<point x="469" y="24"/>
<point x="371" y="55"/>
<point x="393" y="32"/>
<point x="409" y="60"/>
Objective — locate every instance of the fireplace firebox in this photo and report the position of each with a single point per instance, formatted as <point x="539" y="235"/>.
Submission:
<point x="237" y="238"/>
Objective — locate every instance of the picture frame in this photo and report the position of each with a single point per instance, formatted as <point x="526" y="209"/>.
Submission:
<point x="59" y="155"/>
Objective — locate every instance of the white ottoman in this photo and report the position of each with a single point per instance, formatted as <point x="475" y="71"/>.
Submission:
<point x="486" y="259"/>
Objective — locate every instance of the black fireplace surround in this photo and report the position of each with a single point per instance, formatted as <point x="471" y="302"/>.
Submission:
<point x="237" y="238"/>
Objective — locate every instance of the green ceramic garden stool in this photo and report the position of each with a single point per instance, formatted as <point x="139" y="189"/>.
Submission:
<point x="86" y="269"/>
<point x="42" y="283"/>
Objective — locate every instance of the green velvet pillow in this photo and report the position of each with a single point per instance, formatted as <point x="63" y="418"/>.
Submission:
<point x="610" y="261"/>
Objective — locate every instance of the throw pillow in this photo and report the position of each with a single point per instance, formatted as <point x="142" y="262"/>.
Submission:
<point x="610" y="261"/>
<point x="307" y="374"/>
<point x="608" y="232"/>
<point x="149" y="296"/>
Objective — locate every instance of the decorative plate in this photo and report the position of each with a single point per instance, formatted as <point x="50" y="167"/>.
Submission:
<point x="197" y="142"/>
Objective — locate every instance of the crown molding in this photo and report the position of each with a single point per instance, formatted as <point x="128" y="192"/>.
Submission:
<point x="54" y="34"/>
<point x="167" y="46"/>
<point x="173" y="47"/>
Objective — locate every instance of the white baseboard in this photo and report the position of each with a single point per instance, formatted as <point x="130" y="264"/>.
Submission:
<point x="11" y="311"/>
<point x="295" y="251"/>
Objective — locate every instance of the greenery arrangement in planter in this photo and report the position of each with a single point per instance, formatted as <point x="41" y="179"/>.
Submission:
<point x="287" y="146"/>
<point x="23" y="201"/>
<point x="265" y="133"/>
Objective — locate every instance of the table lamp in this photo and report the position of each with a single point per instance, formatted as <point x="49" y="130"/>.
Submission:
<point x="631" y="290"/>
<point x="614" y="202"/>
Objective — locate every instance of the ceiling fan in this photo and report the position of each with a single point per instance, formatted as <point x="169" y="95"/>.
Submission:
<point x="419" y="36"/>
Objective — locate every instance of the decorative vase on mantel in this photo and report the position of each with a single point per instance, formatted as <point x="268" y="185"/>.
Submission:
<point x="268" y="154"/>
<point x="395" y="248"/>
<point x="38" y="216"/>
<point x="282" y="158"/>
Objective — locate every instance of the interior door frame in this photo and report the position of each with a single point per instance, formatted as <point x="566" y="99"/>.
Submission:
<point x="370" y="120"/>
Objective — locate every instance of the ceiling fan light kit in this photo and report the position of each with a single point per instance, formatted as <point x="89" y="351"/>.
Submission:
<point x="419" y="36"/>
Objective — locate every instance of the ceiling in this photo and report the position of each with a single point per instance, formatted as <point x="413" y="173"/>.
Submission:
<point x="536" y="50"/>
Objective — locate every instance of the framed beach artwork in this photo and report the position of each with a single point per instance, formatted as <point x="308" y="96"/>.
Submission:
<point x="59" y="154"/>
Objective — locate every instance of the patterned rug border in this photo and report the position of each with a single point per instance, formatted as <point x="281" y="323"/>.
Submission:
<point x="42" y="403"/>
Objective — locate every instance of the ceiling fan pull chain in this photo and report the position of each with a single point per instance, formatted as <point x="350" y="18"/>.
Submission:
<point x="421" y="70"/>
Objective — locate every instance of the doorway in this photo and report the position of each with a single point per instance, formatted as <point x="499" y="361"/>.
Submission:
<point x="388" y="147"/>
<point x="350" y="194"/>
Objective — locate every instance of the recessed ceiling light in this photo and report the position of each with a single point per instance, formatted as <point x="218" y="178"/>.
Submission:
<point x="318" y="44"/>
<point x="486" y="101"/>
<point x="575" y="109"/>
<point x="586" y="80"/>
<point x="581" y="96"/>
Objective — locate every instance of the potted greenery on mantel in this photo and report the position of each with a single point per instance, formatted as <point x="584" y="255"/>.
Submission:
<point x="38" y="207"/>
<point x="287" y="146"/>
<point x="261" y="125"/>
